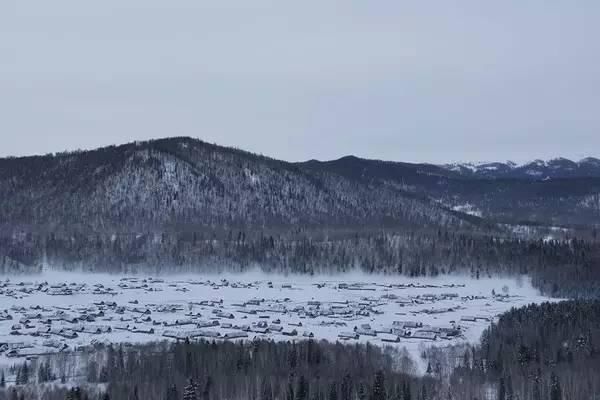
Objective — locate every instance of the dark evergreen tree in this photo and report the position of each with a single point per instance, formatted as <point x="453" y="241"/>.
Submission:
<point x="362" y="392"/>
<point x="555" y="390"/>
<point x="333" y="395"/>
<point x="509" y="388"/>
<point x="346" y="388"/>
<point x="378" y="390"/>
<point x="289" y="394"/>
<point x="302" y="390"/>
<point x="207" y="389"/>
<point x="406" y="391"/>
<point x="266" y="390"/>
<point x="190" y="391"/>
<point x="501" y="390"/>
<point x="172" y="393"/>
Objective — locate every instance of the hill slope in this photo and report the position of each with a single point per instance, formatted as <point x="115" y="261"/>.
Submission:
<point x="184" y="183"/>
<point x="500" y="192"/>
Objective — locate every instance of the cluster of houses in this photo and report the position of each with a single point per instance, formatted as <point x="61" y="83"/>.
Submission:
<point x="363" y="314"/>
<point x="402" y="329"/>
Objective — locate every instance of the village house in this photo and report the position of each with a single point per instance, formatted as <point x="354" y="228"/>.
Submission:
<point x="289" y="332"/>
<point x="389" y="338"/>
<point x="235" y="335"/>
<point x="423" y="335"/>
<point x="142" y="329"/>
<point x="348" y="335"/>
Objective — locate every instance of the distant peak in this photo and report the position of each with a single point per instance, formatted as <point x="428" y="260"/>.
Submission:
<point x="589" y="160"/>
<point x="536" y="169"/>
<point x="350" y="158"/>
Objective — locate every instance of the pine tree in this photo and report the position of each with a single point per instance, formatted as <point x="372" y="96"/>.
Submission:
<point x="501" y="390"/>
<point x="509" y="388"/>
<point x="302" y="390"/>
<point x="406" y="394"/>
<point x="120" y="360"/>
<point x="103" y="377"/>
<point x="362" y="392"/>
<point x="189" y="392"/>
<point x="378" y="392"/>
<point x="266" y="390"/>
<point x="346" y="389"/>
<point x="289" y="395"/>
<point x="49" y="374"/>
<point x="537" y="391"/>
<point x="2" y="380"/>
<point x="397" y="393"/>
<point x="293" y="357"/>
<point x="207" y="387"/>
<point x="25" y="374"/>
<point x="136" y="395"/>
<point x="555" y="390"/>
<point x="172" y="393"/>
<point x="332" y="392"/>
<point x="43" y="373"/>
<point x="424" y="392"/>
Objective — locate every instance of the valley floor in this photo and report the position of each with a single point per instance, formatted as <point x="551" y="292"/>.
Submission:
<point x="66" y="312"/>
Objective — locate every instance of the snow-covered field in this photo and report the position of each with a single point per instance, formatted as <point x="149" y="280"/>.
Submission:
<point x="64" y="311"/>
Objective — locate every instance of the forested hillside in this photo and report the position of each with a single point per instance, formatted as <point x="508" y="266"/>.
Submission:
<point x="547" y="351"/>
<point x="556" y="194"/>
<point x="183" y="183"/>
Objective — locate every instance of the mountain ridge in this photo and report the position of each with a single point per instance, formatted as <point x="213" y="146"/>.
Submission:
<point x="185" y="181"/>
<point x="537" y="169"/>
<point x="181" y="182"/>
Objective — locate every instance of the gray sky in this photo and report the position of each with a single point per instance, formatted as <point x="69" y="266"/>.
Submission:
<point x="400" y="80"/>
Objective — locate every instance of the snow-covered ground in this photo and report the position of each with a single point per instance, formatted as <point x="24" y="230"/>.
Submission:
<point x="45" y="310"/>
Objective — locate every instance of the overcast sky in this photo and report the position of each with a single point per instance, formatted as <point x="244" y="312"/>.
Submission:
<point x="400" y="80"/>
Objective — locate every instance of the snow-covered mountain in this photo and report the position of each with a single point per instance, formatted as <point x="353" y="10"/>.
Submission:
<point x="184" y="183"/>
<point x="555" y="192"/>
<point x="534" y="170"/>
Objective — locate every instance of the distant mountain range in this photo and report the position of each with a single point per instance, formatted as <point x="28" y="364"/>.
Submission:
<point x="534" y="170"/>
<point x="184" y="183"/>
<point x="555" y="192"/>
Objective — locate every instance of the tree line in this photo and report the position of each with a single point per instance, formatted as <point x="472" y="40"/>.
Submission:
<point x="260" y="370"/>
<point x="565" y="268"/>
